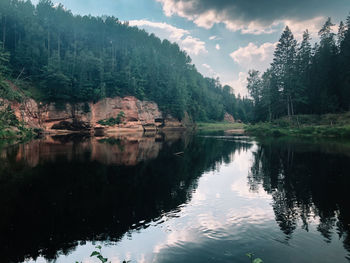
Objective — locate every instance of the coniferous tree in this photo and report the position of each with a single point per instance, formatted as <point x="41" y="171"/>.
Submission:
<point x="344" y="66"/>
<point x="304" y="79"/>
<point x="73" y="58"/>
<point x="284" y="70"/>
<point x="303" y="64"/>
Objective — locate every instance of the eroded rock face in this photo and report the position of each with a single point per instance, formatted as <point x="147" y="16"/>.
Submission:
<point x="229" y="118"/>
<point x="137" y="115"/>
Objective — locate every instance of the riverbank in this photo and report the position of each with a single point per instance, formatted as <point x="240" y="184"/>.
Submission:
<point x="18" y="133"/>
<point x="220" y="126"/>
<point x="328" y="125"/>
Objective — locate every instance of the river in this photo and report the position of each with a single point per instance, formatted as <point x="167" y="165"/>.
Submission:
<point x="175" y="198"/>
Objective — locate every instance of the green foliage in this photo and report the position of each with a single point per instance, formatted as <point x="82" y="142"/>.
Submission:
<point x="303" y="79"/>
<point x="4" y="60"/>
<point x="6" y="91"/>
<point x="113" y="121"/>
<point x="73" y="58"/>
<point x="98" y="254"/>
<point x="254" y="259"/>
<point x="86" y="107"/>
<point x="329" y="125"/>
<point x="219" y="126"/>
<point x="10" y="127"/>
<point x="8" y="118"/>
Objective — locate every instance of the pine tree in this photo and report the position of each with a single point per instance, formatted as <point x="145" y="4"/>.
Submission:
<point x="341" y="33"/>
<point x="303" y="64"/>
<point x="283" y="67"/>
<point x="326" y="71"/>
<point x="344" y="67"/>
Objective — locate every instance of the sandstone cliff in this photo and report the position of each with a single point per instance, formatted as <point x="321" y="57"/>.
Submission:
<point x="229" y="118"/>
<point x="135" y="115"/>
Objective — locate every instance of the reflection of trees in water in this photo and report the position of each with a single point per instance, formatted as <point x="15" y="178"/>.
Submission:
<point x="49" y="207"/>
<point x="304" y="182"/>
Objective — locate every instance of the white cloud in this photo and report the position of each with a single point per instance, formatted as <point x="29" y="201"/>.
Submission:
<point x="217" y="46"/>
<point x="175" y="33"/>
<point x="192" y="45"/>
<point x="239" y="84"/>
<point x="209" y="71"/>
<point x="253" y="56"/>
<point x="207" y="19"/>
<point x="253" y="28"/>
<point x="212" y="37"/>
<point x="206" y="66"/>
<point x="312" y="25"/>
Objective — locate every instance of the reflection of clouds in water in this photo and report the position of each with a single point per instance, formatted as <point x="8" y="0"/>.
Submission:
<point x="220" y="206"/>
<point x="243" y="159"/>
<point x="210" y="222"/>
<point x="174" y="238"/>
<point x="213" y="226"/>
<point x="249" y="215"/>
<point x="112" y="260"/>
<point x="216" y="210"/>
<point x="198" y="196"/>
<point x="243" y="162"/>
<point x="38" y="260"/>
<point x="233" y="217"/>
<point x="128" y="256"/>
<point x="241" y="189"/>
<point x="142" y="258"/>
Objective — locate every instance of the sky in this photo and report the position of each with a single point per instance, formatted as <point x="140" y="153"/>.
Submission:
<point x="224" y="38"/>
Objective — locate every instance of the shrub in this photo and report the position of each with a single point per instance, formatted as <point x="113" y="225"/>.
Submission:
<point x="113" y="121"/>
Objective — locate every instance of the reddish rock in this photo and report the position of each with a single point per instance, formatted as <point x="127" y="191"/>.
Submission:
<point x="52" y="118"/>
<point x="229" y="118"/>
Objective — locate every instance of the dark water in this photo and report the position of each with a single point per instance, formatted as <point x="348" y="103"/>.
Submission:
<point x="175" y="198"/>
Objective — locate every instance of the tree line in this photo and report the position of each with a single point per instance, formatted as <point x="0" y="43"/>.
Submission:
<point x="304" y="78"/>
<point x="73" y="58"/>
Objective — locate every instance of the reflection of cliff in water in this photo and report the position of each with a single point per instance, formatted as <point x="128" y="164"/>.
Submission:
<point x="122" y="150"/>
<point x="306" y="181"/>
<point x="56" y="193"/>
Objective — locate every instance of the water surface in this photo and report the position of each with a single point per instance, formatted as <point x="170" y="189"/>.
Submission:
<point x="174" y="198"/>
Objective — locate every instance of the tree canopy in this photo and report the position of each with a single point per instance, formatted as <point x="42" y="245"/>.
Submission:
<point x="303" y="79"/>
<point x="73" y="58"/>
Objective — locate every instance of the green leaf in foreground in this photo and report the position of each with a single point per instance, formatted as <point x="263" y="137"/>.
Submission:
<point x="95" y="253"/>
<point x="249" y="255"/>
<point x="254" y="260"/>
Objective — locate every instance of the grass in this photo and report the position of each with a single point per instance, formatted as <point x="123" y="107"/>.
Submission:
<point x="329" y="125"/>
<point x="219" y="126"/>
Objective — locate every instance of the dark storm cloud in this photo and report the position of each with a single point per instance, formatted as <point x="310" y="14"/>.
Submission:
<point x="261" y="11"/>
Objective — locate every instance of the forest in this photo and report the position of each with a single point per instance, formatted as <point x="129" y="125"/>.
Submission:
<point x="55" y="56"/>
<point x="304" y="78"/>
